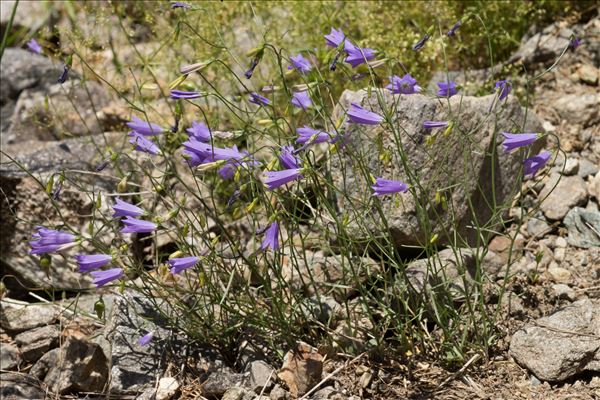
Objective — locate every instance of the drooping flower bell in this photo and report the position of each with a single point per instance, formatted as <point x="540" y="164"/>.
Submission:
<point x="308" y="135"/>
<point x="144" y="127"/>
<point x="34" y="46"/>
<point x="503" y="88"/>
<point x="200" y="132"/>
<point x="388" y="186"/>
<point x="133" y="225"/>
<point x="257" y="99"/>
<point x="141" y="143"/>
<point x="184" y="95"/>
<point x="533" y="164"/>
<point x="90" y="262"/>
<point x="271" y="239"/>
<point x="301" y="100"/>
<point x="124" y="209"/>
<point x="49" y="241"/>
<point x="287" y="159"/>
<point x="179" y="264"/>
<point x="275" y="179"/>
<point x="144" y="340"/>
<point x="335" y="37"/>
<point x="101" y="278"/>
<point x="300" y="63"/>
<point x="359" y="115"/>
<point x="513" y="141"/>
<point x="357" y="55"/>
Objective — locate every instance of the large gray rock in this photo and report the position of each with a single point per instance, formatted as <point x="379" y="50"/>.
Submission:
<point x="77" y="366"/>
<point x="57" y="112"/>
<point x="543" y="47"/>
<point x="559" y="198"/>
<point x="584" y="227"/>
<point x="28" y="317"/>
<point x="462" y="166"/>
<point x="22" y="69"/>
<point x="562" y="345"/>
<point x="18" y="386"/>
<point x="10" y="358"/>
<point x="34" y="343"/>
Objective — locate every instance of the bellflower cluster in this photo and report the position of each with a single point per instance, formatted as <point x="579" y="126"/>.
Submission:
<point x="354" y="55"/>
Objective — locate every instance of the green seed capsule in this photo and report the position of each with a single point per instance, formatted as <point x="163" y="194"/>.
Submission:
<point x="99" y="308"/>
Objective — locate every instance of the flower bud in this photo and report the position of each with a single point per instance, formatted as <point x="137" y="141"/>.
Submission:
<point x="122" y="185"/>
<point x="176" y="254"/>
<point x="99" y="308"/>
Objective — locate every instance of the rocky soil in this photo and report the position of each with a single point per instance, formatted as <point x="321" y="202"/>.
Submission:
<point x="550" y="319"/>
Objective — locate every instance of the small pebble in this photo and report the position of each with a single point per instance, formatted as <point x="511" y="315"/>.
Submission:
<point x="571" y="167"/>
<point x="560" y="242"/>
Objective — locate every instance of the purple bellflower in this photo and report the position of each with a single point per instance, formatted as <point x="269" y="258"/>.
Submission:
<point x="253" y="65"/>
<point x="357" y="55"/>
<point x="300" y="63"/>
<point x="64" y="75"/>
<point x="513" y="141"/>
<point x="435" y="124"/>
<point x="419" y="45"/>
<point x="205" y="152"/>
<point x="49" y="240"/>
<point x="144" y="340"/>
<point x="447" y="89"/>
<point x="144" y="127"/>
<point x="141" y="143"/>
<point x="301" y="100"/>
<point x="575" y="42"/>
<point x="34" y="46"/>
<point x="200" y="132"/>
<point x="405" y="85"/>
<point x="271" y="239"/>
<point x="275" y="179"/>
<point x="89" y="262"/>
<point x="287" y="159"/>
<point x="258" y="99"/>
<point x="503" y="88"/>
<point x="137" y="225"/>
<point x="309" y="136"/>
<point x="533" y="164"/>
<point x="453" y="30"/>
<point x="183" y="95"/>
<point x="101" y="278"/>
<point x="359" y="115"/>
<point x="387" y="186"/>
<point x="125" y="209"/>
<point x="180" y="4"/>
<point x="180" y="264"/>
<point x="335" y="37"/>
